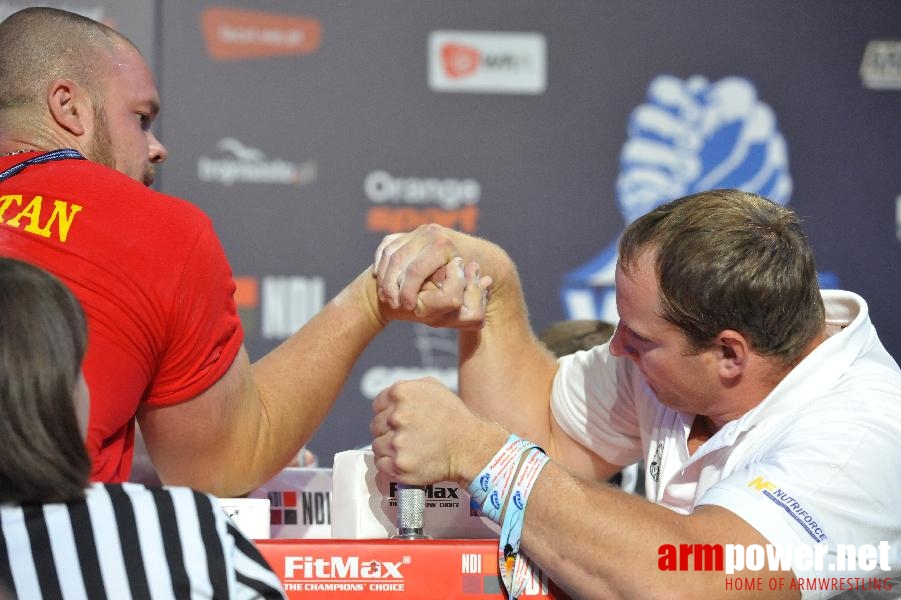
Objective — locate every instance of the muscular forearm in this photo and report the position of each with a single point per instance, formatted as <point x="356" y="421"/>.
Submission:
<point x="505" y="372"/>
<point x="254" y="420"/>
<point x="299" y="380"/>
<point x="596" y="541"/>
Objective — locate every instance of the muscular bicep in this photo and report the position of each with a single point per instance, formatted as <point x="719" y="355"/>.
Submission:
<point x="745" y="553"/>
<point x="198" y="442"/>
<point x="577" y="458"/>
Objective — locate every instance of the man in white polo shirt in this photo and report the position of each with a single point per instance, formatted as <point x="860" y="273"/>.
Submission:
<point x="767" y="414"/>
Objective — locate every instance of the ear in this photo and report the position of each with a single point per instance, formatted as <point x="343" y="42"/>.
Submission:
<point x="69" y="106"/>
<point x="733" y="352"/>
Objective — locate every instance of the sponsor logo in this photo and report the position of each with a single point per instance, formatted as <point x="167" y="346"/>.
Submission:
<point x="431" y="491"/>
<point x="486" y="62"/>
<point x="689" y="136"/>
<point x="801" y="558"/>
<point x="404" y="203"/>
<point x="880" y="68"/>
<point x="277" y="306"/>
<point x="343" y="573"/>
<point x="791" y="506"/>
<point x="299" y="508"/>
<point x="459" y="61"/>
<point x="437" y="496"/>
<point x="480" y="576"/>
<point x="243" y="164"/>
<point x="654" y="465"/>
<point x="288" y="303"/>
<point x="234" y="34"/>
<point x="247" y="300"/>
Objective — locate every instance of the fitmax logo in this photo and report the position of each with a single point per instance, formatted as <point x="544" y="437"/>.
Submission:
<point x="341" y="567"/>
<point x="431" y="491"/>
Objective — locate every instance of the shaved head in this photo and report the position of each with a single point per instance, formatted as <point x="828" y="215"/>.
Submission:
<point x="42" y="45"/>
<point x="68" y="81"/>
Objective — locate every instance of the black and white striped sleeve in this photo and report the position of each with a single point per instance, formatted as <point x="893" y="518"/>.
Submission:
<point x="253" y="576"/>
<point x="125" y="541"/>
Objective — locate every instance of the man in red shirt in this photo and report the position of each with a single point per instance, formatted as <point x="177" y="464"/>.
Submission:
<point x="165" y="342"/>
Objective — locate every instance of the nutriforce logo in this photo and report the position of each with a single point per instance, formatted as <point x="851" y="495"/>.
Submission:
<point x="232" y="34"/>
<point x="243" y="164"/>
<point x="487" y="62"/>
<point x="881" y="65"/>
<point x="787" y="502"/>
<point x="405" y="202"/>
<point x="343" y="573"/>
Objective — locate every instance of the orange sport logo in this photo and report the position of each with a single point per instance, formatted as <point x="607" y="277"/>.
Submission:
<point x="233" y="34"/>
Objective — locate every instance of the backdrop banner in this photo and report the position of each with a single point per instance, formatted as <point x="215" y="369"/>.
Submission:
<point x="309" y="130"/>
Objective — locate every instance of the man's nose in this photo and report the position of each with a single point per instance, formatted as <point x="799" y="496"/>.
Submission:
<point x="616" y="343"/>
<point x="158" y="152"/>
<point x="619" y="346"/>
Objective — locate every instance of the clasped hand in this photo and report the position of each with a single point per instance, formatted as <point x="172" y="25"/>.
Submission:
<point x="422" y="432"/>
<point x="421" y="277"/>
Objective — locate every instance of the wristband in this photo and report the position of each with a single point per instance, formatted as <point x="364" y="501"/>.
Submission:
<point x="488" y="491"/>
<point x="500" y="493"/>
<point x="516" y="570"/>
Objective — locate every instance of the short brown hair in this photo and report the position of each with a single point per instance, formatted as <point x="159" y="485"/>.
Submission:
<point x="728" y="259"/>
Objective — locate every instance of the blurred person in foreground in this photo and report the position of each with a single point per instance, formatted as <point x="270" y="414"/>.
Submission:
<point x="572" y="335"/>
<point x="766" y="411"/>
<point x="58" y="533"/>
<point x="166" y="345"/>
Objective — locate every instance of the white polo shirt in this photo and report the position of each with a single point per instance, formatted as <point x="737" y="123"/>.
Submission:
<point x="818" y="461"/>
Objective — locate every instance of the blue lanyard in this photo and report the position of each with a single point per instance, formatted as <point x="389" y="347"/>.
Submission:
<point x="61" y="154"/>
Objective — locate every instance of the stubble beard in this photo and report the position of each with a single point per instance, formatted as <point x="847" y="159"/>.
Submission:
<point x="101" y="148"/>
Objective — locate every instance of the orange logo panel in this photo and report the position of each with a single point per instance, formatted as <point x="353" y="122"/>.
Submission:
<point x="233" y="34"/>
<point x="246" y="292"/>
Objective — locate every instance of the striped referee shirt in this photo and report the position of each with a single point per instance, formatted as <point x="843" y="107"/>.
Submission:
<point x="129" y="541"/>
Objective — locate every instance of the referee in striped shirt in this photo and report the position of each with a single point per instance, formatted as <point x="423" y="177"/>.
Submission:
<point x="64" y="538"/>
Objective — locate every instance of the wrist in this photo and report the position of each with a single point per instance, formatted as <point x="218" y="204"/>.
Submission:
<point x="478" y="448"/>
<point x="363" y="293"/>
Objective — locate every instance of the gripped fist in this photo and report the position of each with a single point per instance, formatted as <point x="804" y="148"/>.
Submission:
<point x="420" y="276"/>
<point x="423" y="433"/>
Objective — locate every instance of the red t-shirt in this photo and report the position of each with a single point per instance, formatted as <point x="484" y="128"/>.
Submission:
<point x="153" y="280"/>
